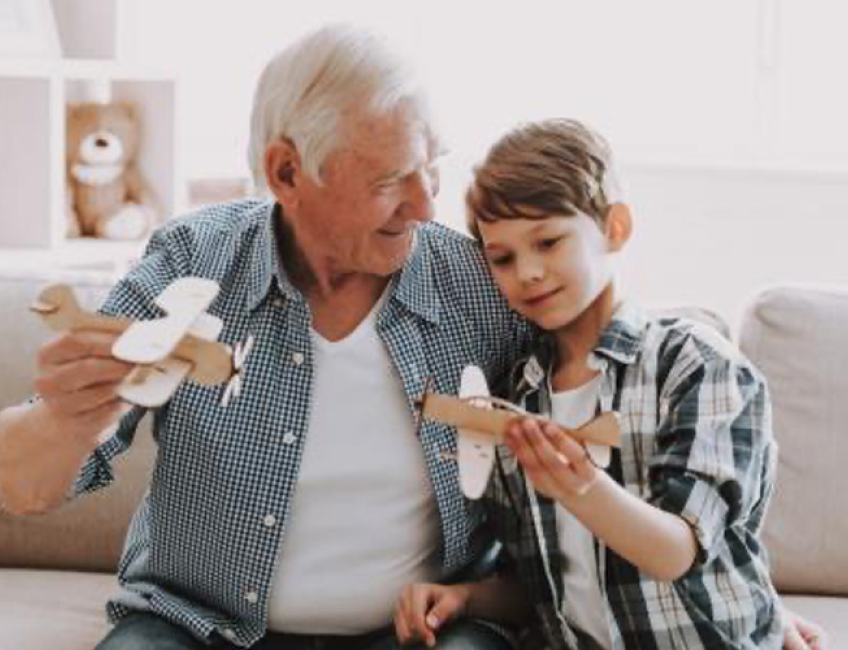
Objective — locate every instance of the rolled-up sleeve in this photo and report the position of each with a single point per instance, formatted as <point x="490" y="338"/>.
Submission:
<point x="711" y="446"/>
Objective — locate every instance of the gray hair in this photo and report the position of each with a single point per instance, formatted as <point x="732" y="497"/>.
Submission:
<point x="304" y="90"/>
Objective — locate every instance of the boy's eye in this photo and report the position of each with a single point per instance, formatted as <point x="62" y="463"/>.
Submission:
<point x="549" y="242"/>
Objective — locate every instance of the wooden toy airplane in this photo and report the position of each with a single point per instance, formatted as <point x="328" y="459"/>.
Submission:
<point x="482" y="422"/>
<point x="165" y="350"/>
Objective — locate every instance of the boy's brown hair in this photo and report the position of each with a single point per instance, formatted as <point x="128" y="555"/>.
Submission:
<point x="553" y="167"/>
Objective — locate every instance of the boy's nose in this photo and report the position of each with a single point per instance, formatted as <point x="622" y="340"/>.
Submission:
<point x="530" y="271"/>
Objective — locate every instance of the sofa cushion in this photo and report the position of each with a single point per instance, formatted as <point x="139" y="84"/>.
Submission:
<point x="53" y="609"/>
<point x="798" y="337"/>
<point x="88" y="533"/>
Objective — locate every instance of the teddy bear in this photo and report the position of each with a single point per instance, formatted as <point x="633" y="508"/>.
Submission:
<point x="107" y="195"/>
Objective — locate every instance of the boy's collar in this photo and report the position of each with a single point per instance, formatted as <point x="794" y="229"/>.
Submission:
<point x="622" y="338"/>
<point x="621" y="341"/>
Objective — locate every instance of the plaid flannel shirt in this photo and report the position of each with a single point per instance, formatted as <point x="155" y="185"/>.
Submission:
<point x="695" y="441"/>
<point x="202" y="547"/>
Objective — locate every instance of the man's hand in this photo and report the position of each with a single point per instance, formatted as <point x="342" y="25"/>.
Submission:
<point x="43" y="445"/>
<point x="78" y="379"/>
<point x="801" y="634"/>
<point x="557" y="465"/>
<point x="423" y="608"/>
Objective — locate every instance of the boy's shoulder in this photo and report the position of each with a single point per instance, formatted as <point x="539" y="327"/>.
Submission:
<point x="699" y="331"/>
<point x="690" y="343"/>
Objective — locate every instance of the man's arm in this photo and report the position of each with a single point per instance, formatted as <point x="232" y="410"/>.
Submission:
<point x="44" y="444"/>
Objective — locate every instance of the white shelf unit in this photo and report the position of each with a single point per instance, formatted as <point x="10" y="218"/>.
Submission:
<point x="33" y="99"/>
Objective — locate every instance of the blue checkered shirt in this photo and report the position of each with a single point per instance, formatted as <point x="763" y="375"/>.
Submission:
<point x="696" y="441"/>
<point x="200" y="551"/>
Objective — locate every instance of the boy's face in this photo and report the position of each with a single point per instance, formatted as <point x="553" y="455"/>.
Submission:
<point x="551" y="269"/>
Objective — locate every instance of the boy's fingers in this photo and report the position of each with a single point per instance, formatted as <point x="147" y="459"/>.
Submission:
<point x="793" y="640"/>
<point x="401" y="629"/>
<point x="419" y="604"/>
<point x="445" y="609"/>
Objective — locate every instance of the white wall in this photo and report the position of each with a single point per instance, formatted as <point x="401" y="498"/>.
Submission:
<point x="727" y="114"/>
<point x="712" y="237"/>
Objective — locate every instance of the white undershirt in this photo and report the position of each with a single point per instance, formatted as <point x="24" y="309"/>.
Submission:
<point x="583" y="605"/>
<point x="364" y="520"/>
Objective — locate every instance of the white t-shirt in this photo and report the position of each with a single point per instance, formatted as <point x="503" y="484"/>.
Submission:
<point x="583" y="606"/>
<point x="364" y="520"/>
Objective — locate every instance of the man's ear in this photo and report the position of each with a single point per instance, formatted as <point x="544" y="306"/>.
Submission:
<point x="619" y="226"/>
<point x="283" y="170"/>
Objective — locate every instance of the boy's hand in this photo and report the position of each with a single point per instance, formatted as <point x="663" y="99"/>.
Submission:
<point x="423" y="608"/>
<point x="557" y="465"/>
<point x="801" y="634"/>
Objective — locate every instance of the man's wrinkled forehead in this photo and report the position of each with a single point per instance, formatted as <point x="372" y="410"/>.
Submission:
<point x="400" y="138"/>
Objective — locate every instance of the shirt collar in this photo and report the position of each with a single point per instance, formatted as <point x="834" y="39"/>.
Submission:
<point x="621" y="341"/>
<point x="265" y="260"/>
<point x="412" y="286"/>
<point x="623" y="336"/>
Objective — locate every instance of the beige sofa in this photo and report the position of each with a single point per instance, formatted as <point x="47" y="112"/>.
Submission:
<point x="56" y="570"/>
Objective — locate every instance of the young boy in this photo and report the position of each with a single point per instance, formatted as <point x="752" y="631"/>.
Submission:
<point x="656" y="545"/>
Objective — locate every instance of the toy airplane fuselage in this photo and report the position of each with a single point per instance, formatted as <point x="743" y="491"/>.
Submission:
<point x="164" y="351"/>
<point x="482" y="422"/>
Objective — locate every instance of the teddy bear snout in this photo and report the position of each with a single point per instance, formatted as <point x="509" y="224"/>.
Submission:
<point x="101" y="148"/>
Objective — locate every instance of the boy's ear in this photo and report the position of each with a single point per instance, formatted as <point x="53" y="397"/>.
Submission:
<point x="619" y="226"/>
<point x="282" y="170"/>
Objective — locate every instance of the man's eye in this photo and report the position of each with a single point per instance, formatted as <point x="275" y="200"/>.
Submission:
<point x="384" y="188"/>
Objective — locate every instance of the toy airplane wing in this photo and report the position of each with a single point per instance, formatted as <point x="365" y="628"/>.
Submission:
<point x="482" y="422"/>
<point x="165" y="351"/>
<point x="475" y="451"/>
<point x="151" y="341"/>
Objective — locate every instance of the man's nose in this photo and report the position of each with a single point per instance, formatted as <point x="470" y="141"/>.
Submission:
<point x="420" y="195"/>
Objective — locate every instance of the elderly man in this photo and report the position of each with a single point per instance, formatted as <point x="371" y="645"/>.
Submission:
<point x="292" y="518"/>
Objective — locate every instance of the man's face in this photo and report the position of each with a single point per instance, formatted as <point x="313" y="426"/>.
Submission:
<point x="551" y="269"/>
<point x="377" y="187"/>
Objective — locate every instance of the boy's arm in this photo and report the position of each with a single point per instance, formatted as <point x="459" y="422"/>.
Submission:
<point x="712" y="460"/>
<point x="660" y="544"/>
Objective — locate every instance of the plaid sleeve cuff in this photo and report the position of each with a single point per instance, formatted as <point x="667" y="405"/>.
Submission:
<point x="700" y="505"/>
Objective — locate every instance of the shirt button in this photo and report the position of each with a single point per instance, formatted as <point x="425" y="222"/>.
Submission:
<point x="277" y="302"/>
<point x="230" y="634"/>
<point x="289" y="438"/>
<point x="297" y="358"/>
<point x="252" y="597"/>
<point x="270" y="521"/>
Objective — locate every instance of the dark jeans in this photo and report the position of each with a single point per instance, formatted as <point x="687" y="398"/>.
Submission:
<point x="149" y="632"/>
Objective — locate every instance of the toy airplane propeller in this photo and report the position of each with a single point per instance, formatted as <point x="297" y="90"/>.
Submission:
<point x="165" y="350"/>
<point x="482" y="422"/>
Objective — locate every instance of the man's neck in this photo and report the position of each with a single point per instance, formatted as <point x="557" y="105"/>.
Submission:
<point x="339" y="300"/>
